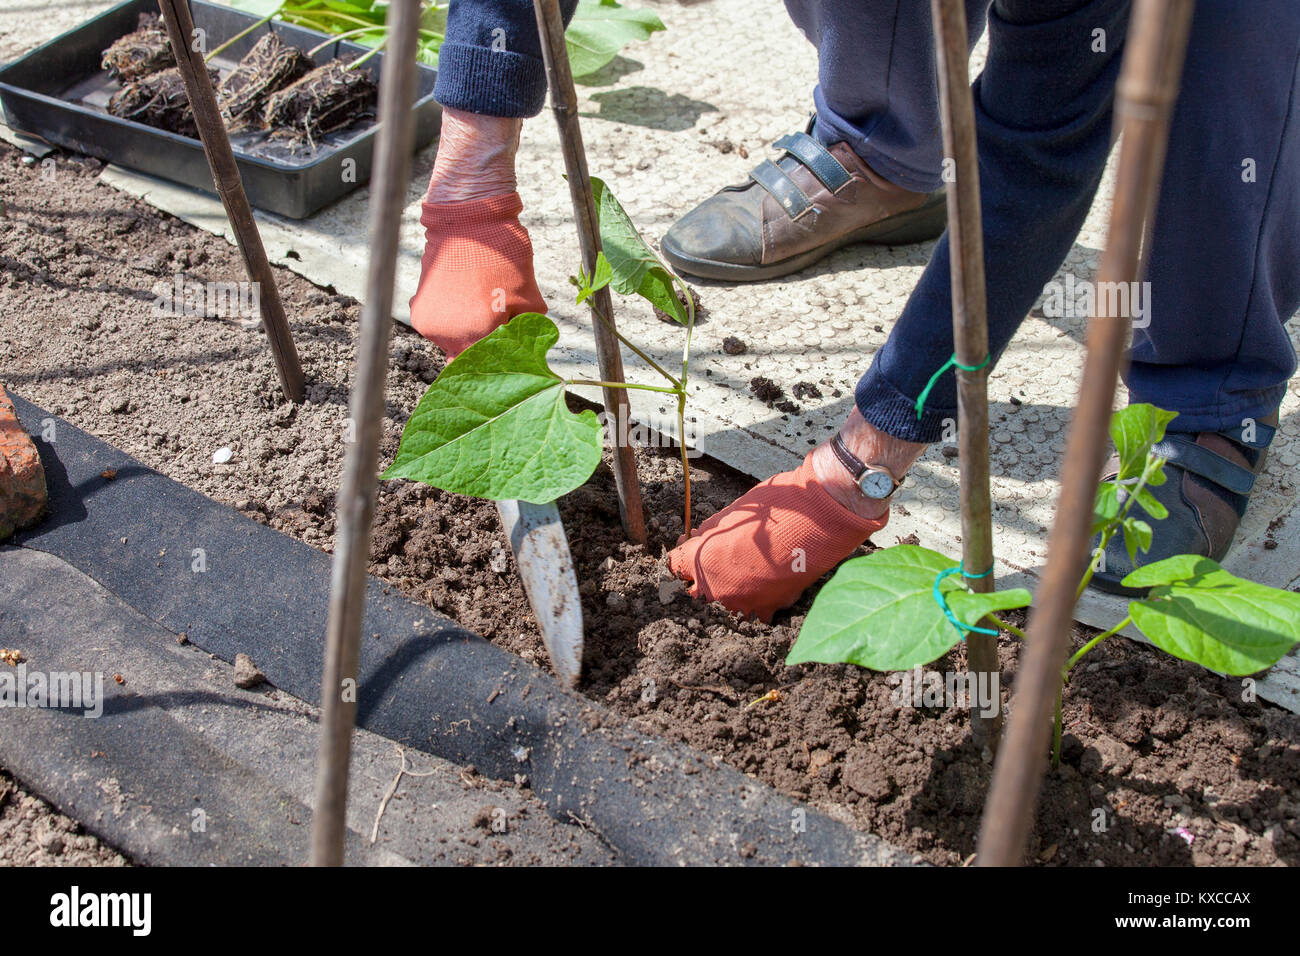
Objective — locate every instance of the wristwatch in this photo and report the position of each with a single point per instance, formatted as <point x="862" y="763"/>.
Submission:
<point x="874" y="481"/>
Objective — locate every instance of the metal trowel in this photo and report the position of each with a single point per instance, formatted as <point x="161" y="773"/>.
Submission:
<point x="541" y="552"/>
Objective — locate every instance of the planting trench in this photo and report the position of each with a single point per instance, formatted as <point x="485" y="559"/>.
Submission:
<point x="1168" y="752"/>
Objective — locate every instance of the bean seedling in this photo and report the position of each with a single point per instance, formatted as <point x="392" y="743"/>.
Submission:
<point x="495" y="424"/>
<point x="902" y="607"/>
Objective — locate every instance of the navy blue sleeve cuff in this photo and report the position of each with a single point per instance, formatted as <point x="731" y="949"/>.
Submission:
<point x="888" y="409"/>
<point x="478" y="79"/>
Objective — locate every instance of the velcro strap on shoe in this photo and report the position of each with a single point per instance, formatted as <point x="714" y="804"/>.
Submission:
<point x="819" y="160"/>
<point x="1263" y="435"/>
<point x="783" y="189"/>
<point x="1188" y="455"/>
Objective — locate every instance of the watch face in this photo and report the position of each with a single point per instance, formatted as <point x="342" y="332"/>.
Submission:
<point x="876" y="484"/>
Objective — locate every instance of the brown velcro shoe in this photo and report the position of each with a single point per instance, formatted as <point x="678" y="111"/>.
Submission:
<point x="792" y="212"/>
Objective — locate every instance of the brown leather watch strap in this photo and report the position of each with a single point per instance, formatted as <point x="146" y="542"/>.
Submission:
<point x="852" y="462"/>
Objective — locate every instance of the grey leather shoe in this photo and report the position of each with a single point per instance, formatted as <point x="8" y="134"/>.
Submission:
<point x="790" y="213"/>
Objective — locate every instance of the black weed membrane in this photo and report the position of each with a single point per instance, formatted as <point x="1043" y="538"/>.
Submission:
<point x="138" y="54"/>
<point x="270" y="66"/>
<point x="328" y="98"/>
<point x="158" y="100"/>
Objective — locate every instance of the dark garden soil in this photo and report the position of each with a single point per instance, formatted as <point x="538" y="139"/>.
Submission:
<point x="1164" y="763"/>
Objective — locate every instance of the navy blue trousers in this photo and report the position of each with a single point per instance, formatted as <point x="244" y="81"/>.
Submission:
<point x="1225" y="257"/>
<point x="1224" y="266"/>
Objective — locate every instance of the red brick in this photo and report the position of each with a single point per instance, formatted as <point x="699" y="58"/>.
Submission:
<point x="22" y="479"/>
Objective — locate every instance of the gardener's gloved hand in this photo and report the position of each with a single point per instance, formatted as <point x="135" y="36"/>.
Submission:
<point x="762" y="551"/>
<point x="477" y="269"/>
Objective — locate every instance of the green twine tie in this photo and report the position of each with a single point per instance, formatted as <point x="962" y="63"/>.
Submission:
<point x="939" y="599"/>
<point x="951" y="363"/>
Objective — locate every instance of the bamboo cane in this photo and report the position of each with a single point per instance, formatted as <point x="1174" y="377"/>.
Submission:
<point x="356" y="499"/>
<point x="970" y="339"/>
<point x="564" y="103"/>
<point x="225" y="177"/>
<point x="1147" y="88"/>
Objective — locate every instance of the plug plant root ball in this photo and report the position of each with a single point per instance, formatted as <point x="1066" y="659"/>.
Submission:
<point x="158" y="100"/>
<point x="328" y="98"/>
<point x="140" y="53"/>
<point x="270" y="66"/>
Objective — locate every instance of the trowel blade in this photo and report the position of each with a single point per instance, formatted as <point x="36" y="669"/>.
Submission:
<point x="541" y="551"/>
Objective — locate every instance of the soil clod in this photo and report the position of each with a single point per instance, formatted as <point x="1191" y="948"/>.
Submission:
<point x="766" y="390"/>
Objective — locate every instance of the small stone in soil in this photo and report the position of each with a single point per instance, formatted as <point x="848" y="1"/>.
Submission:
<point x="669" y="589"/>
<point x="246" y="673"/>
<point x="51" y="841"/>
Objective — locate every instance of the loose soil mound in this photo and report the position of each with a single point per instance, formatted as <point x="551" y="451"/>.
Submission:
<point x="32" y="833"/>
<point x="1164" y="762"/>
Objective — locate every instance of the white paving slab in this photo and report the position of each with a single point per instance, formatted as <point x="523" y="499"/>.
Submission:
<point x="669" y="123"/>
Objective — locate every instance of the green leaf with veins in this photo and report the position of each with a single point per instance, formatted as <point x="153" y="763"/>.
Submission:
<point x="1151" y="504"/>
<point x="1199" y="612"/>
<point x="495" y="424"/>
<point x="879" y="611"/>
<point x="636" y="269"/>
<point x="1134" y="430"/>
<point x="599" y="30"/>
<point x="1137" y="536"/>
